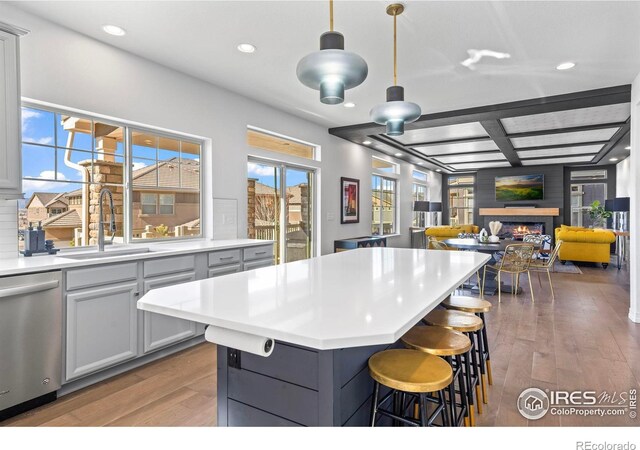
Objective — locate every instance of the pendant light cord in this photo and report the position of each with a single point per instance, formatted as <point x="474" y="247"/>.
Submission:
<point x="395" y="52"/>
<point x="330" y="15"/>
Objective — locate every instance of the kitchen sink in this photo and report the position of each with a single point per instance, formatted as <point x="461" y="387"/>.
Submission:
<point x="106" y="253"/>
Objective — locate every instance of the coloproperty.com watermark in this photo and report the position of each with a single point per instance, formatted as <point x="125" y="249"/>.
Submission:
<point x="534" y="404"/>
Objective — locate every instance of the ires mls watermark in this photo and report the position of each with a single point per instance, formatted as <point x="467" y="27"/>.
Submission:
<point x="534" y="403"/>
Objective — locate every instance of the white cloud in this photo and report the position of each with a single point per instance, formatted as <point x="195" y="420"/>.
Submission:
<point x="260" y="170"/>
<point x="43" y="141"/>
<point x="138" y="165"/>
<point x="43" y="183"/>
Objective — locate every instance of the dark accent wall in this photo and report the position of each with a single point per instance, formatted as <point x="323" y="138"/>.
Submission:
<point x="553" y="189"/>
<point x="557" y="183"/>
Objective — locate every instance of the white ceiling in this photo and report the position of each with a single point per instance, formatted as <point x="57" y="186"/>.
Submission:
<point x="200" y="39"/>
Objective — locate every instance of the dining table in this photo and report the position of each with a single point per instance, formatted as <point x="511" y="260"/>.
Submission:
<point x="491" y="248"/>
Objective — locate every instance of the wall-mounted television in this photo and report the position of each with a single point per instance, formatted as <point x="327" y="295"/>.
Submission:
<point x="519" y="187"/>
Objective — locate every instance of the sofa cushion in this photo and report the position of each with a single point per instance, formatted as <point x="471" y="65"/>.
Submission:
<point x="587" y="236"/>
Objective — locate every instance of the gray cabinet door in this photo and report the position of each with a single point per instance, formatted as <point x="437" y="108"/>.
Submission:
<point x="257" y="264"/>
<point x="224" y="270"/>
<point x="101" y="328"/>
<point x="160" y="330"/>
<point x="10" y="159"/>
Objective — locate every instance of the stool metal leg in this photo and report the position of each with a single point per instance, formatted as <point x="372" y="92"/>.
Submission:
<point x="485" y="341"/>
<point x="475" y="366"/>
<point x="452" y="396"/>
<point x="422" y="404"/>
<point x="481" y="362"/>
<point x="464" y="400"/>
<point x="374" y="402"/>
<point x="469" y="387"/>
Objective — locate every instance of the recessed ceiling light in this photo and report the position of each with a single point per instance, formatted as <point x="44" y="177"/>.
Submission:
<point x="628" y="147"/>
<point x="366" y="142"/>
<point x="349" y="105"/>
<point x="246" y="48"/>
<point x="438" y="170"/>
<point x="114" y="30"/>
<point x="421" y="164"/>
<point x="566" y="65"/>
<point x="613" y="159"/>
<point x="398" y="154"/>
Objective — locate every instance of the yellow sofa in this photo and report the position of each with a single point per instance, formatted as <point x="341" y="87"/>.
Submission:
<point x="447" y="232"/>
<point x="585" y="244"/>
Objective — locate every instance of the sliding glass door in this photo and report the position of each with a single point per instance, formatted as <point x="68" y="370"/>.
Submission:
<point x="280" y="208"/>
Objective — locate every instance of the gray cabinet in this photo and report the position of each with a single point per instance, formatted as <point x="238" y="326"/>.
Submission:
<point x="258" y="264"/>
<point x="224" y="270"/>
<point x="10" y="124"/>
<point x="102" y="328"/>
<point x="160" y="330"/>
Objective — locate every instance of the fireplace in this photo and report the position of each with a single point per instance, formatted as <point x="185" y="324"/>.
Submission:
<point x="519" y="229"/>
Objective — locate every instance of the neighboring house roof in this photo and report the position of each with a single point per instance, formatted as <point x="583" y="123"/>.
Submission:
<point x="68" y="219"/>
<point x="59" y="198"/>
<point x="263" y="189"/>
<point x="76" y="193"/>
<point x="170" y="173"/>
<point x="192" y="224"/>
<point x="42" y="197"/>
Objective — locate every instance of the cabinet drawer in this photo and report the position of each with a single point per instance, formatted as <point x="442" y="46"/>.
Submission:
<point x="258" y="264"/>
<point x="261" y="252"/>
<point x="100" y="275"/>
<point x="224" y="257"/>
<point x="224" y="270"/>
<point x="169" y="265"/>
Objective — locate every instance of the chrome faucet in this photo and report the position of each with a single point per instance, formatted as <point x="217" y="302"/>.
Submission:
<point x="102" y="223"/>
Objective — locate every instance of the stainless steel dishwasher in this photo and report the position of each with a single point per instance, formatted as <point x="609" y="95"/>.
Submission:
<point x="30" y="340"/>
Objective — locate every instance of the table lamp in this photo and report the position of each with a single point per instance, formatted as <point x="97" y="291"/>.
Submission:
<point x="435" y="207"/>
<point x="421" y="207"/>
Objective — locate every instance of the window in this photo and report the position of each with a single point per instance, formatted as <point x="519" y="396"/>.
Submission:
<point x="68" y="159"/>
<point x="461" y="200"/>
<point x="380" y="165"/>
<point x="384" y="205"/>
<point x="267" y="141"/>
<point x="420" y="193"/>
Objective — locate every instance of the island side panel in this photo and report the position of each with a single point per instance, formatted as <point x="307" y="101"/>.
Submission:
<point x="296" y="386"/>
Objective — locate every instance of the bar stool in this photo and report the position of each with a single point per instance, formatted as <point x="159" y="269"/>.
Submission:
<point x="468" y="324"/>
<point x="450" y="345"/>
<point x="478" y="307"/>
<point x="414" y="373"/>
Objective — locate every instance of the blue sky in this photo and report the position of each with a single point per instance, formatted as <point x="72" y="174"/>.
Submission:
<point x="265" y="175"/>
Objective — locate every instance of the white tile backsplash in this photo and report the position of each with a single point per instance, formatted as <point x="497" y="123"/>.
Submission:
<point x="8" y="229"/>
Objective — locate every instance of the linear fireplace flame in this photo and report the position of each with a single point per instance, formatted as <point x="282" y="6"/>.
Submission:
<point x="519" y="229"/>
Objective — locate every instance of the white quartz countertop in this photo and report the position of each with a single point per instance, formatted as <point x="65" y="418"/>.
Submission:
<point x="360" y="297"/>
<point x="42" y="263"/>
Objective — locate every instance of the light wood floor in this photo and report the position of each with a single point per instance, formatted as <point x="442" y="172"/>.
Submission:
<point x="582" y="340"/>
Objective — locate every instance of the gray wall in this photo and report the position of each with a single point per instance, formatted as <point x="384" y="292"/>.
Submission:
<point x="553" y="189"/>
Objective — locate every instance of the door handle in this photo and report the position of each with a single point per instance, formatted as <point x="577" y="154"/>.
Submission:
<point x="28" y="288"/>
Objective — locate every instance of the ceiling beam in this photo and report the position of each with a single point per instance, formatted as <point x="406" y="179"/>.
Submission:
<point x="495" y="130"/>
<point x="547" y="147"/>
<point x="615" y="139"/>
<point x="445" y="142"/>
<point x="574" y="100"/>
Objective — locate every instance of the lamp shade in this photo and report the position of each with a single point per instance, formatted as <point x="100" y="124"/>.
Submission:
<point x="395" y="112"/>
<point x="332" y="70"/>
<point x="435" y="206"/>
<point x="608" y="205"/>
<point x="621" y="204"/>
<point x="421" y="206"/>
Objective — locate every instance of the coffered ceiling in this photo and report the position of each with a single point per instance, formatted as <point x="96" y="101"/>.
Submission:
<point x="585" y="128"/>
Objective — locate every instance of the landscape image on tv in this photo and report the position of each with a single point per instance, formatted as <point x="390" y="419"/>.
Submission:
<point x="519" y="187"/>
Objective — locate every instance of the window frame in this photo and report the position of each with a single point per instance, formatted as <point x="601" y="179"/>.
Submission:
<point x="128" y="127"/>
<point x="395" y="216"/>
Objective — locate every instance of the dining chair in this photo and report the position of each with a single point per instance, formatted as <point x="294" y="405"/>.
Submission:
<point x="516" y="260"/>
<point x="546" y="265"/>
<point x="434" y="244"/>
<point x="537" y="240"/>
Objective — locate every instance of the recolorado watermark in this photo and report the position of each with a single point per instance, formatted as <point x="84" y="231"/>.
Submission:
<point x="534" y="404"/>
<point x="588" y="445"/>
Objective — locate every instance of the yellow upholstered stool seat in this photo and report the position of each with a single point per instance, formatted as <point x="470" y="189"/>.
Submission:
<point x="467" y="304"/>
<point x="454" y="320"/>
<point x="410" y="371"/>
<point x="437" y="341"/>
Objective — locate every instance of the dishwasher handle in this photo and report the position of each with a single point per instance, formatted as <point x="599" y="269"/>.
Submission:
<point x="29" y="288"/>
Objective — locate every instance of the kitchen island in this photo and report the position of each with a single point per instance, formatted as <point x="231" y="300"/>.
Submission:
<point x="327" y="315"/>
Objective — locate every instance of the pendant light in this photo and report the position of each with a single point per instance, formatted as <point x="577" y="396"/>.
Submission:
<point x="332" y="70"/>
<point x="395" y="112"/>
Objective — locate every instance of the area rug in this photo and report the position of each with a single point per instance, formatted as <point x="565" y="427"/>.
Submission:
<point x="568" y="267"/>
